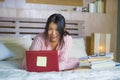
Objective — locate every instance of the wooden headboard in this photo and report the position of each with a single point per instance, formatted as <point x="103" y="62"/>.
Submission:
<point x="30" y="26"/>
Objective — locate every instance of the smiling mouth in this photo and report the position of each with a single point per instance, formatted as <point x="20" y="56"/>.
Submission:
<point x="54" y="37"/>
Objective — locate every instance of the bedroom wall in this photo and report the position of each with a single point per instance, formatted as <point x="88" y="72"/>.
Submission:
<point x="104" y="23"/>
<point x="118" y="34"/>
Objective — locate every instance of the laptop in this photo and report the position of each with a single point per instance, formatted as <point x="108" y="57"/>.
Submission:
<point x="42" y="61"/>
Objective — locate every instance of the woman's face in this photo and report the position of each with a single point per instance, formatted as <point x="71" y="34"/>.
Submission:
<point x="53" y="33"/>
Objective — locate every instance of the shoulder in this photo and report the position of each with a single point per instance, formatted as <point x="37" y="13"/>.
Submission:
<point x="40" y="36"/>
<point x="67" y="38"/>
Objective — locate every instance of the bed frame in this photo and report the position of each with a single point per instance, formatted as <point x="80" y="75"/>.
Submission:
<point x="31" y="26"/>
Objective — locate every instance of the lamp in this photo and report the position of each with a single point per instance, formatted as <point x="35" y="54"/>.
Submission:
<point x="100" y="43"/>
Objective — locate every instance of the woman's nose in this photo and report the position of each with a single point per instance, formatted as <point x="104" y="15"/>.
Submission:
<point x="54" y="32"/>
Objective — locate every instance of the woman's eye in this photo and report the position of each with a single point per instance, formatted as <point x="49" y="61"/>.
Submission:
<point x="50" y="29"/>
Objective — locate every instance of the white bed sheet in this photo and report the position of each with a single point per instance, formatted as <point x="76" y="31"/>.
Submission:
<point x="10" y="70"/>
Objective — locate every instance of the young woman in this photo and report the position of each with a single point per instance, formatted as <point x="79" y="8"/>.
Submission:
<point x="55" y="37"/>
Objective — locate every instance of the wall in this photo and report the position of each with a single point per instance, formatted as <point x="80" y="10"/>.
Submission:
<point x="104" y="23"/>
<point x="118" y="34"/>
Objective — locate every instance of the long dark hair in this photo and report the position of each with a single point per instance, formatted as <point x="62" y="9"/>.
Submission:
<point x="59" y="20"/>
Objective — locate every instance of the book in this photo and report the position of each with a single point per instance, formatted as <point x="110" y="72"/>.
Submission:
<point x="99" y="59"/>
<point x="102" y="65"/>
<point x="107" y="56"/>
<point x="84" y="63"/>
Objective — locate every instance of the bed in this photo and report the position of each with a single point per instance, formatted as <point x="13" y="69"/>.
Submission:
<point x="16" y="35"/>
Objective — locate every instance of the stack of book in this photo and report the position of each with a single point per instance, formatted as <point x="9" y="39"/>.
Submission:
<point x="98" y="62"/>
<point x="84" y="63"/>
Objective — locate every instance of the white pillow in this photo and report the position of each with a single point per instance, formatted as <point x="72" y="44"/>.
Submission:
<point x="4" y="52"/>
<point x="18" y="45"/>
<point x="78" y="49"/>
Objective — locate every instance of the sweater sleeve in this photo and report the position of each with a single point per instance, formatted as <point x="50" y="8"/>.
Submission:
<point x="64" y="61"/>
<point x="66" y="46"/>
<point x="36" y="44"/>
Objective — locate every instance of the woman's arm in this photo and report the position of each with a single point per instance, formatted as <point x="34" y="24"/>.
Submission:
<point x="63" y="53"/>
<point x="36" y="45"/>
<point x="66" y="47"/>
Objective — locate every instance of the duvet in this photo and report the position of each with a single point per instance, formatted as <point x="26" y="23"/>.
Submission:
<point x="10" y="70"/>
